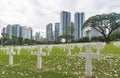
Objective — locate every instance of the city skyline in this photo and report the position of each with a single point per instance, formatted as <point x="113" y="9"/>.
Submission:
<point x="16" y="30"/>
<point x="38" y="13"/>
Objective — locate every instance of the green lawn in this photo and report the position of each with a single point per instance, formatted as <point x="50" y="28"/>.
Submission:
<point x="59" y="65"/>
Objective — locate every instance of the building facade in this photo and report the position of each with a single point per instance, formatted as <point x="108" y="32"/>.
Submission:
<point x="79" y="19"/>
<point x="37" y="36"/>
<point x="9" y="31"/>
<point x="29" y="33"/>
<point x="57" y="30"/>
<point x="91" y="32"/>
<point x="24" y="31"/>
<point x="49" y="32"/>
<point x="18" y="31"/>
<point x="65" y="18"/>
<point x="16" y="28"/>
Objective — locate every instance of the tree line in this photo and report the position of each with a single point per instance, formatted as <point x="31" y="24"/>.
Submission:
<point x="5" y="40"/>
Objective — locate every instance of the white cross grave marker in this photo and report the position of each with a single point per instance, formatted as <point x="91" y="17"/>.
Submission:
<point x="7" y="50"/>
<point x="31" y="48"/>
<point x="39" y="57"/>
<point x="64" y="47"/>
<point x="49" y="49"/>
<point x="88" y="65"/>
<point x="19" y="49"/>
<point x="11" y="53"/>
<point x="69" y="50"/>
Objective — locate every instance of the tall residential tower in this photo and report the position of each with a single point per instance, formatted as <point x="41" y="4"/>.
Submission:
<point x="79" y="19"/>
<point x="57" y="30"/>
<point x="65" y="18"/>
<point x="49" y="32"/>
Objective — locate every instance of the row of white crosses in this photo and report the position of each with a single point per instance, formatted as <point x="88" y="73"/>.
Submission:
<point x="88" y="55"/>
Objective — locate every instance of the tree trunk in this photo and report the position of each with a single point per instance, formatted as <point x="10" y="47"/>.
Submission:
<point x="107" y="40"/>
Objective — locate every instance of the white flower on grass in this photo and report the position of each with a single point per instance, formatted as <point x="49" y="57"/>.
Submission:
<point x="3" y="72"/>
<point x="116" y="75"/>
<point x="21" y="74"/>
<point x="13" y="72"/>
<point x="65" y="72"/>
<point x="26" y="74"/>
<point x="59" y="67"/>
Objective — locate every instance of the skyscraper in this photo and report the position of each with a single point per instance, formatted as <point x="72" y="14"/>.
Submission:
<point x="37" y="36"/>
<point x="79" y="19"/>
<point x="24" y="29"/>
<point x="57" y="30"/>
<point x="72" y="31"/>
<point x="49" y="32"/>
<point x="65" y="18"/>
<point x="21" y="30"/>
<point x="9" y="31"/>
<point x="17" y="31"/>
<point x="29" y="33"/>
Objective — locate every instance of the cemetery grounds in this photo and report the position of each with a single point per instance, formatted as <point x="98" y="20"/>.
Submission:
<point x="58" y="64"/>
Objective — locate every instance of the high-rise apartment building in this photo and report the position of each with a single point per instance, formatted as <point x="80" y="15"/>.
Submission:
<point x="72" y="31"/>
<point x="24" y="29"/>
<point x="49" y="32"/>
<point x="91" y="32"/>
<point x="21" y="30"/>
<point x="29" y="33"/>
<point x="18" y="31"/>
<point x="57" y="30"/>
<point x="16" y="28"/>
<point x="79" y="19"/>
<point x="37" y="36"/>
<point x="65" y="18"/>
<point x="9" y="31"/>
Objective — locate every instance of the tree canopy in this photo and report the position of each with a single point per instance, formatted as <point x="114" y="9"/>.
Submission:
<point x="101" y="23"/>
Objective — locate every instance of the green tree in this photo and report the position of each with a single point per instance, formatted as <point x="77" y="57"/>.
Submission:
<point x="15" y="40"/>
<point x="115" y="36"/>
<point x="27" y="41"/>
<point x="84" y="39"/>
<point x="69" y="36"/>
<point x="99" y="38"/>
<point x="20" y="41"/>
<point x="5" y="38"/>
<point x="102" y="22"/>
<point x="0" y="41"/>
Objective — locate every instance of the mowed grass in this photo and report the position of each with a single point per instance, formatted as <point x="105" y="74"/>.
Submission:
<point x="59" y="65"/>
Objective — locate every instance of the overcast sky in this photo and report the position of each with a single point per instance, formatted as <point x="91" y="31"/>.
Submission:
<point x="38" y="13"/>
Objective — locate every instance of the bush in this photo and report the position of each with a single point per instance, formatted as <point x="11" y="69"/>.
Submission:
<point x="115" y="36"/>
<point x="99" y="38"/>
<point x="84" y="39"/>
